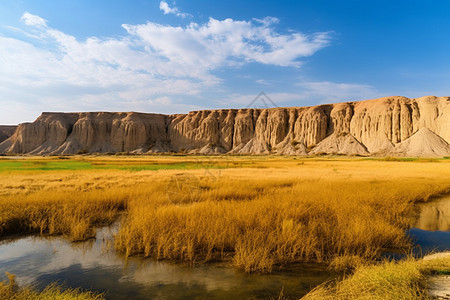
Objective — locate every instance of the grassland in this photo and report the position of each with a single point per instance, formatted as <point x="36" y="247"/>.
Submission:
<point x="73" y="196"/>
<point x="256" y="212"/>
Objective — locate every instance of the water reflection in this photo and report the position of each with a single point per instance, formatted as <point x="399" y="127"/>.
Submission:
<point x="435" y="215"/>
<point x="94" y="265"/>
<point x="432" y="229"/>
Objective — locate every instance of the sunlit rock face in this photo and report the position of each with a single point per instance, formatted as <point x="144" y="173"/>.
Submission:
<point x="394" y="126"/>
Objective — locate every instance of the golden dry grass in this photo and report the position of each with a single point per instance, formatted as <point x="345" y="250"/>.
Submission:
<point x="406" y="279"/>
<point x="73" y="213"/>
<point x="257" y="212"/>
<point x="275" y="221"/>
<point x="11" y="291"/>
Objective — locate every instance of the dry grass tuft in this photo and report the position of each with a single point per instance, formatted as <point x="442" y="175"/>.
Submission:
<point x="70" y="214"/>
<point x="387" y="280"/>
<point x="11" y="291"/>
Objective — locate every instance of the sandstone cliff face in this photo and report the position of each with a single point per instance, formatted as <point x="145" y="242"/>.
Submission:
<point x="116" y="132"/>
<point x="6" y="131"/>
<point x="41" y="136"/>
<point x="380" y="126"/>
<point x="68" y="133"/>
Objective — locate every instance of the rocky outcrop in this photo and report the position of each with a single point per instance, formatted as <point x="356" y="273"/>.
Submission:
<point x="69" y="133"/>
<point x="116" y="132"/>
<point x="6" y="131"/>
<point x="41" y="136"/>
<point x="382" y="123"/>
<point x="385" y="126"/>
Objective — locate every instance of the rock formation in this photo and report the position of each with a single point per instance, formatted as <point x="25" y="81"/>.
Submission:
<point x="6" y="131"/>
<point x="422" y="143"/>
<point x="387" y="126"/>
<point x="340" y="143"/>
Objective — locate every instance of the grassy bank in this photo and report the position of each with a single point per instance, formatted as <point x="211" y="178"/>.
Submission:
<point x="11" y="291"/>
<point x="406" y="279"/>
<point x="256" y="212"/>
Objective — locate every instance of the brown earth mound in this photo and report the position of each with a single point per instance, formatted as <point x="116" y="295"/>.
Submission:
<point x="423" y="143"/>
<point x="340" y="143"/>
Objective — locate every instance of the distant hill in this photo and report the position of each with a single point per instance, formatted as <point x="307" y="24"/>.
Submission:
<point x="394" y="126"/>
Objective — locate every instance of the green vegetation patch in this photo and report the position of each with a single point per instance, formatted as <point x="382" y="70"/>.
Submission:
<point x="40" y="165"/>
<point x="404" y="159"/>
<point x="43" y="165"/>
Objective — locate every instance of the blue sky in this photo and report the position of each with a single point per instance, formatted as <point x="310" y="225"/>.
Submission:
<point x="173" y="57"/>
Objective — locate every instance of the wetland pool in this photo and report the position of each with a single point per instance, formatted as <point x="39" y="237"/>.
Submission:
<point x="432" y="229"/>
<point x="95" y="266"/>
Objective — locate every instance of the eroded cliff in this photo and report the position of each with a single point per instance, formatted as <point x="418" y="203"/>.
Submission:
<point x="386" y="126"/>
<point x="6" y="131"/>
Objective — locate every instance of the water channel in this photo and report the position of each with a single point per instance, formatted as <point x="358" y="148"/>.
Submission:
<point x="94" y="265"/>
<point x="432" y="229"/>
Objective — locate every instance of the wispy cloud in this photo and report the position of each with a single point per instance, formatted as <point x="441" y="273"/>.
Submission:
<point x="164" y="6"/>
<point x="243" y="100"/>
<point x="267" y="21"/>
<point x="308" y="93"/>
<point x="264" y="82"/>
<point x="227" y="42"/>
<point x="53" y="70"/>
<point x="33" y="20"/>
<point x="330" y="92"/>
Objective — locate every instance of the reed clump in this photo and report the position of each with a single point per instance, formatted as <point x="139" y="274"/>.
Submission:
<point x="11" y="291"/>
<point x="73" y="215"/>
<point x="406" y="279"/>
<point x="69" y="203"/>
<point x="274" y="222"/>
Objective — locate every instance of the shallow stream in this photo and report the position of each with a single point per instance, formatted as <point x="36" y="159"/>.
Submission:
<point x="94" y="265"/>
<point x="432" y="229"/>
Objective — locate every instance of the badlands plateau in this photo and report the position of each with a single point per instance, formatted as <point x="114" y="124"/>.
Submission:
<point x="390" y="126"/>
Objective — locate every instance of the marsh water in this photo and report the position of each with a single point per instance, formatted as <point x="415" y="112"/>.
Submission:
<point x="94" y="265"/>
<point x="432" y="229"/>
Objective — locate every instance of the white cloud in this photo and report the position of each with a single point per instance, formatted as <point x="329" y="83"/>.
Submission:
<point x="264" y="82"/>
<point x="228" y="42"/>
<point x="267" y="21"/>
<point x="51" y="70"/>
<point x="164" y="6"/>
<point x="33" y="20"/>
